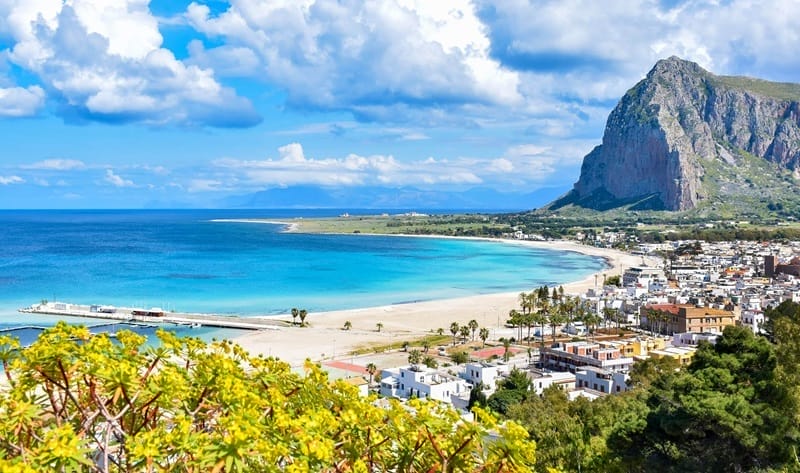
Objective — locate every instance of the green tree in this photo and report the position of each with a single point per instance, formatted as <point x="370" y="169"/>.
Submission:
<point x="556" y="317"/>
<point x="454" y="328"/>
<point x="303" y="314"/>
<point x="728" y="411"/>
<point x="379" y="326"/>
<point x="371" y="370"/>
<point x="348" y="325"/>
<point x="506" y="348"/>
<point x="459" y="357"/>
<point x="430" y="362"/>
<point x="476" y="396"/>
<point x="415" y="357"/>
<point x="483" y="334"/>
<point x="77" y="402"/>
<point x="473" y="327"/>
<point x="295" y="313"/>
<point x="464" y="332"/>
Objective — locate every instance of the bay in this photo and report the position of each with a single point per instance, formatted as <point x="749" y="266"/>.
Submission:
<point x="188" y="260"/>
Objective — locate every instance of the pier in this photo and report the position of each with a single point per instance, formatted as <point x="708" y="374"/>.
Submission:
<point x="151" y="316"/>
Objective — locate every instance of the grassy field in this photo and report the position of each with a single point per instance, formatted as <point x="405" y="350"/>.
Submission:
<point x="415" y="225"/>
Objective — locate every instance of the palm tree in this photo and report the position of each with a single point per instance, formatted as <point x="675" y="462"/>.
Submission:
<point x="483" y="334"/>
<point x="415" y="358"/>
<point x="440" y="331"/>
<point x="426" y="345"/>
<point x="379" y="326"/>
<point x="613" y="315"/>
<point x="430" y="362"/>
<point x="464" y="332"/>
<point x="507" y="348"/>
<point x="473" y="326"/>
<point x="303" y="313"/>
<point x="557" y="317"/>
<point x="591" y="319"/>
<point x="347" y="325"/>
<point x="539" y="318"/>
<point x="515" y="320"/>
<point x="295" y="313"/>
<point x="454" y="328"/>
<point x="371" y="369"/>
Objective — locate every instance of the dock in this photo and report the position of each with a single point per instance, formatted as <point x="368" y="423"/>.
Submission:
<point x="151" y="316"/>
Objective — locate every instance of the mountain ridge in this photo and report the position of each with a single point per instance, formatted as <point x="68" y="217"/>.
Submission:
<point x="682" y="138"/>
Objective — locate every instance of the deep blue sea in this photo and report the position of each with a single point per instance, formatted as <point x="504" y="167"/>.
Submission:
<point x="183" y="260"/>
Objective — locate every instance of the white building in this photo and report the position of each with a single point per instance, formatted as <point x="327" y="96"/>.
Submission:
<point x="642" y="276"/>
<point x="421" y="382"/>
<point x="601" y="380"/>
<point x="542" y="379"/>
<point x="484" y="373"/>
<point x="691" y="339"/>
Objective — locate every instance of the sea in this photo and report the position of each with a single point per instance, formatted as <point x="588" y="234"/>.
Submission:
<point x="211" y="261"/>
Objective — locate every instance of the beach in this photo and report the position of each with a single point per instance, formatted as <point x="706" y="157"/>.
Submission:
<point x="325" y="338"/>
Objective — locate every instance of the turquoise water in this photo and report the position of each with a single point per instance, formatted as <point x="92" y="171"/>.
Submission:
<point x="186" y="261"/>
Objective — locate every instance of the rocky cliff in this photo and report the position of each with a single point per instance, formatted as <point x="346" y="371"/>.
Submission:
<point x="672" y="136"/>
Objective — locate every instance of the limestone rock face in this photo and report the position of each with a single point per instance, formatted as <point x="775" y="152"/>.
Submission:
<point x="659" y="134"/>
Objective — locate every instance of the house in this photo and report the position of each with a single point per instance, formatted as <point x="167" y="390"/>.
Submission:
<point x="487" y="374"/>
<point x="680" y="318"/>
<point x="598" y="379"/>
<point x="421" y="382"/>
<point x="691" y="339"/>
<point x="543" y="379"/>
<point x="683" y="355"/>
<point x="571" y="356"/>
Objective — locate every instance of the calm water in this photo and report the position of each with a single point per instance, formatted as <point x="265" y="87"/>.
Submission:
<point x="182" y="260"/>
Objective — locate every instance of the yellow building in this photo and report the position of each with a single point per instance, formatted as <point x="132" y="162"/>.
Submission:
<point x="682" y="355"/>
<point x="635" y="347"/>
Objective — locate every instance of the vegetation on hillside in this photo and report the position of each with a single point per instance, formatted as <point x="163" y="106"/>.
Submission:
<point x="76" y="402"/>
<point x="734" y="408"/>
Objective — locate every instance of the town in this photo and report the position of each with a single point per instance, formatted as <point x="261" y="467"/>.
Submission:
<point x="589" y="343"/>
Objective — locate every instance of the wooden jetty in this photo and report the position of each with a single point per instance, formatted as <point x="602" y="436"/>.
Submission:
<point x="153" y="315"/>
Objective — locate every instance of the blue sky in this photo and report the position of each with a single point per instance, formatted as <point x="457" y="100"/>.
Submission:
<point x="132" y="103"/>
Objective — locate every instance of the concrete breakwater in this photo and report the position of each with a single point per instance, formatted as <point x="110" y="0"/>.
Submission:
<point x="153" y="315"/>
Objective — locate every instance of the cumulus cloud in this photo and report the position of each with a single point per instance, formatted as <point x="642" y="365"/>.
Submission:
<point x="105" y="61"/>
<point x="56" y="165"/>
<point x="588" y="51"/>
<point x="371" y="58"/>
<point x="6" y="180"/>
<point x="292" y="167"/>
<point x="117" y="181"/>
<point x="18" y="102"/>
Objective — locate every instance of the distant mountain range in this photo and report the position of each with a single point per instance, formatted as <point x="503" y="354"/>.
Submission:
<point x="684" y="139"/>
<point x="391" y="198"/>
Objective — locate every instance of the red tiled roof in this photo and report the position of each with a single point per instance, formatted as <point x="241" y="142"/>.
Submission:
<point x="671" y="308"/>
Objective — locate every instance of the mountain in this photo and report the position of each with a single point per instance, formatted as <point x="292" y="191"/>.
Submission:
<point x="391" y="198"/>
<point x="684" y="138"/>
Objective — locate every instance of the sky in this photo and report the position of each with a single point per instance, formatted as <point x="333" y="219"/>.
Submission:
<point x="137" y="103"/>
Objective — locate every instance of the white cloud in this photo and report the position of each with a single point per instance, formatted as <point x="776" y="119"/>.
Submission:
<point x="56" y="165"/>
<point x="6" y="180"/>
<point x="105" y="61"/>
<point x="21" y="102"/>
<point x="292" y="167"/>
<point x="501" y="165"/>
<point x="367" y="57"/>
<point x="116" y="180"/>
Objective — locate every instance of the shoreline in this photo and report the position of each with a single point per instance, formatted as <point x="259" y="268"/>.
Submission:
<point x="326" y="339"/>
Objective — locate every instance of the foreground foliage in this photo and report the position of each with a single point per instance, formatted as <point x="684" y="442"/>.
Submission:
<point x="76" y="402"/>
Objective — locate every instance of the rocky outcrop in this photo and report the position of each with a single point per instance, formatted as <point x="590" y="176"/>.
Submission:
<point x="663" y="131"/>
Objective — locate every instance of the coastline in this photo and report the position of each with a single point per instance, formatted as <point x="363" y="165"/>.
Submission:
<point x="326" y="339"/>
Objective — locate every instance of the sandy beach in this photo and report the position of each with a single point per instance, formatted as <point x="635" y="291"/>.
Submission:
<point x="325" y="337"/>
